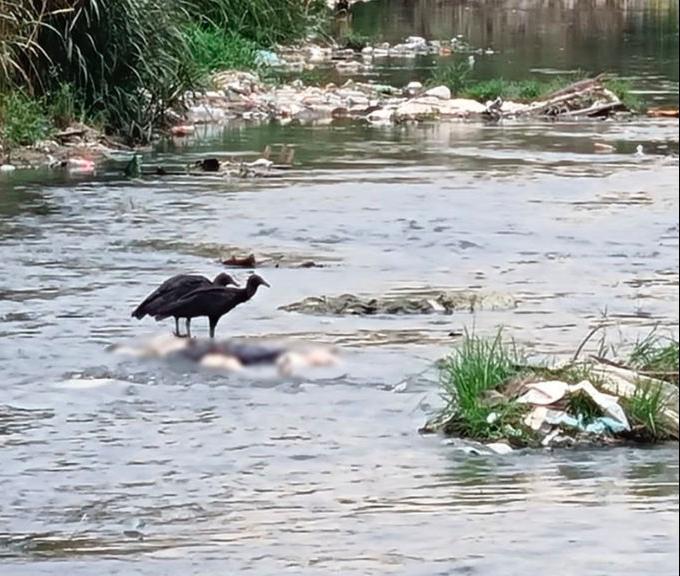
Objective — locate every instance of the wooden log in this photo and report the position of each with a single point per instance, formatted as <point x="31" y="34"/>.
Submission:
<point x="578" y="87"/>
<point x="596" y="109"/>
<point x="70" y="133"/>
<point x="564" y="102"/>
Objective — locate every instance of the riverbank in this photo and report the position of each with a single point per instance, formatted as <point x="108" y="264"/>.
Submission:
<point x="121" y="66"/>
<point x="244" y="96"/>
<point x="263" y="74"/>
<point x="298" y="72"/>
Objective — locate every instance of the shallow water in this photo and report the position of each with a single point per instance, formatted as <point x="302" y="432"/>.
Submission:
<point x="520" y="39"/>
<point x="120" y="465"/>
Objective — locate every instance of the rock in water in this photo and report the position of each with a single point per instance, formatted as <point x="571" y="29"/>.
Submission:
<point x="441" y="92"/>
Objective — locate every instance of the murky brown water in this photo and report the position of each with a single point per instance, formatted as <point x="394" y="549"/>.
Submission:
<point x="114" y="465"/>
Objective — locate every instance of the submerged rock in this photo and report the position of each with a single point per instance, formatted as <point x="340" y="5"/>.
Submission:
<point x="236" y="256"/>
<point x="415" y="110"/>
<point x="381" y="116"/>
<point x="434" y="302"/>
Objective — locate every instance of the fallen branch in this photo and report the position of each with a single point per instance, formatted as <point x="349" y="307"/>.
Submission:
<point x="582" y="98"/>
<point x="596" y="109"/>
<point x="579" y="87"/>
<point x="656" y="374"/>
<point x="69" y="133"/>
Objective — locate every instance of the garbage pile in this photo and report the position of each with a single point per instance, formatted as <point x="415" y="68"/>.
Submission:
<point x="76" y="149"/>
<point x="550" y="412"/>
<point x="563" y="413"/>
<point x="611" y="404"/>
<point x="223" y="167"/>
<point x="243" y="96"/>
<point x="355" y="57"/>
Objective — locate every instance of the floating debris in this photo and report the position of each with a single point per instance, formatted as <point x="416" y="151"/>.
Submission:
<point x="603" y="148"/>
<point x="261" y="167"/>
<point x="182" y="130"/>
<point x="663" y="112"/>
<point x="421" y="302"/>
<point x="208" y="164"/>
<point x="222" y="253"/>
<point x="241" y="261"/>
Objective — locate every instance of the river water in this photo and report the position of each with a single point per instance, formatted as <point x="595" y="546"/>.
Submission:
<point x="117" y="465"/>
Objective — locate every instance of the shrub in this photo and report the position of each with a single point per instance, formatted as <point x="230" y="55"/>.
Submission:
<point x="22" y="120"/>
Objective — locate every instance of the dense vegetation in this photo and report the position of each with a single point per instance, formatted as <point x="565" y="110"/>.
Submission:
<point x="121" y="63"/>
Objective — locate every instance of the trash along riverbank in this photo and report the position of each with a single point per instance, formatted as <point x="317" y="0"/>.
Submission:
<point x="244" y="97"/>
<point x="288" y="86"/>
<point x="241" y="95"/>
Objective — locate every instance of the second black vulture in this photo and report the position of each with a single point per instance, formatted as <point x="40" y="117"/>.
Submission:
<point x="175" y="288"/>
<point x="211" y="302"/>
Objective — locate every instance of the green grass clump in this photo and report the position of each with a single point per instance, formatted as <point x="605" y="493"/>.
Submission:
<point x="486" y="90"/>
<point x="26" y="119"/>
<point x="657" y="355"/>
<point x="355" y="40"/>
<point x="517" y="91"/>
<point x="477" y="366"/>
<point x="645" y="409"/>
<point x="622" y="89"/>
<point x="530" y="90"/>
<point x="22" y="120"/>
<point x="63" y="106"/>
<point x="455" y="76"/>
<point x="470" y="378"/>
<point x="213" y="49"/>
<point x="266" y="22"/>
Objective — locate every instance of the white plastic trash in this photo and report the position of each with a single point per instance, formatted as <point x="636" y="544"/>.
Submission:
<point x="544" y="393"/>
